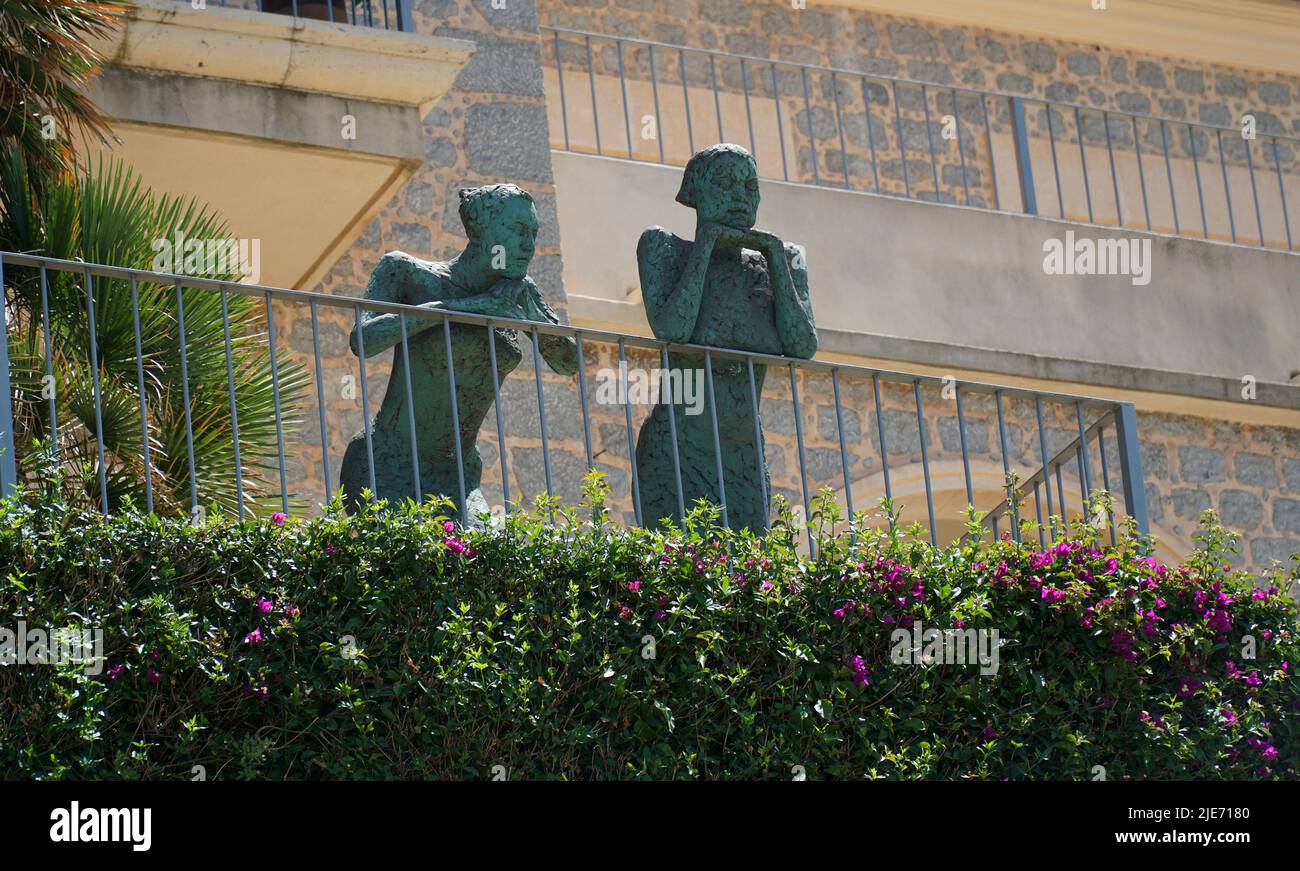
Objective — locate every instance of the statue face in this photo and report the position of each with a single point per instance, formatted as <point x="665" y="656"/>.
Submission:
<point x="509" y="241"/>
<point x="729" y="195"/>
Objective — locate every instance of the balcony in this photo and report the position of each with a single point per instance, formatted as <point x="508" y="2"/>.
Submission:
<point x="915" y="199"/>
<point x="247" y="109"/>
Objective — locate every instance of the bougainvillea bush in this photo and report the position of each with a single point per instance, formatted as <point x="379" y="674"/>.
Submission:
<point x="396" y="644"/>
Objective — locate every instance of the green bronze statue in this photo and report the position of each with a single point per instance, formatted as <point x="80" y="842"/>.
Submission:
<point x="490" y="277"/>
<point x="732" y="287"/>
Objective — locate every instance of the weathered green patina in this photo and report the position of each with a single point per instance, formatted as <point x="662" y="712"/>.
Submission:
<point x="490" y="277"/>
<point x="732" y="287"/>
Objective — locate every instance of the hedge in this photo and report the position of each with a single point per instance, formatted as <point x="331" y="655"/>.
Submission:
<point x="396" y="644"/>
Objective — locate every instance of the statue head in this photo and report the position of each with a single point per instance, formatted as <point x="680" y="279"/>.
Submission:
<point x="721" y="184"/>
<point x="501" y="223"/>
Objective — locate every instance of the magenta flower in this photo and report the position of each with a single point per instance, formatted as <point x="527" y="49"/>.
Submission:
<point x="153" y="676"/>
<point x="624" y="612"/>
<point x="115" y="671"/>
<point x="278" y="518"/>
<point x="253" y="637"/>
<point x="989" y="733"/>
<point x="1229" y="718"/>
<point x="264" y="606"/>
<point x="293" y="612"/>
<point x="659" y="615"/>
<point x="634" y="585"/>
<point x="1269" y="752"/>
<point x="448" y="527"/>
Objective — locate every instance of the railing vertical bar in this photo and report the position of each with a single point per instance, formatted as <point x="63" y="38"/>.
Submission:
<point x="6" y="400"/>
<point x="185" y="394"/>
<point x="1169" y="175"/>
<point x="564" y="103"/>
<point x="961" y="153"/>
<point x="717" y="100"/>
<point x="1142" y="175"/>
<point x="925" y="462"/>
<point x="622" y="83"/>
<point x="8" y="439"/>
<point x="455" y="420"/>
<point x="1196" y="170"/>
<point x="230" y="384"/>
<point x="1024" y="163"/>
<point x="139" y="385"/>
<point x="1130" y="462"/>
<point x="993" y="164"/>
<point x="665" y="378"/>
<point x="965" y="454"/>
<point x="1114" y="176"/>
<point x="902" y="145"/>
<point x="1085" y="471"/>
<point x="844" y="454"/>
<point x="49" y="359"/>
<point x="758" y="434"/>
<point x="749" y="114"/>
<point x="1254" y="192"/>
<point x="654" y="90"/>
<point x="812" y="133"/>
<point x="1083" y="163"/>
<point x="1006" y="465"/>
<point x="501" y="425"/>
<point x="1227" y="192"/>
<point x="275" y="391"/>
<point x="631" y="439"/>
<point x="1038" y="507"/>
<point x="410" y="413"/>
<point x="780" y="129"/>
<point x="591" y="79"/>
<point x="803" y="463"/>
<point x="1281" y="192"/>
<point x="541" y="411"/>
<point x="1105" y="478"/>
<point x="582" y="393"/>
<point x="1042" y="447"/>
<point x="686" y="99"/>
<point x="880" y="432"/>
<point x="365" y="403"/>
<point x="929" y="136"/>
<point x="1060" y="497"/>
<point x="839" y="124"/>
<point x="871" y="133"/>
<point x="1056" y="166"/>
<point x="320" y="402"/>
<point x="717" y="443"/>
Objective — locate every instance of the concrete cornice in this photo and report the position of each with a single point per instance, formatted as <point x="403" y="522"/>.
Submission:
<point x="278" y="50"/>
<point x="1255" y="34"/>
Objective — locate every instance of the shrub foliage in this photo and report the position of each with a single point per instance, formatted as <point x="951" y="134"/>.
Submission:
<point x="396" y="644"/>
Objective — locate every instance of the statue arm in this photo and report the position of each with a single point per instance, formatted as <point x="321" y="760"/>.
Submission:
<point x="672" y="297"/>
<point x="559" y="352"/>
<point x="383" y="330"/>
<point x="788" y="271"/>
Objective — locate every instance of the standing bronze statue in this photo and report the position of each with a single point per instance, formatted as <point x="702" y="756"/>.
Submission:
<point x="490" y="277"/>
<point x="732" y="287"/>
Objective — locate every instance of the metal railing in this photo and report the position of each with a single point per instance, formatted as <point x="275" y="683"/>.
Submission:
<point x="833" y="407"/>
<point x="384" y="14"/>
<point x="652" y="101"/>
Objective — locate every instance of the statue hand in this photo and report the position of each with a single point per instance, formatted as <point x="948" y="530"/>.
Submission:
<point x="723" y="236"/>
<point x="766" y="243"/>
<point x="514" y="296"/>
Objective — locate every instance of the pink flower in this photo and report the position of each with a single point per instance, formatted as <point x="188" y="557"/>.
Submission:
<point x="278" y="518"/>
<point x="989" y="733"/>
<point x="253" y="637"/>
<point x="293" y="612"/>
<point x="264" y="606"/>
<point x="153" y="676"/>
<point x="448" y="527"/>
<point x="634" y="585"/>
<point x="659" y="615"/>
<point x="115" y="671"/>
<point x="624" y="612"/>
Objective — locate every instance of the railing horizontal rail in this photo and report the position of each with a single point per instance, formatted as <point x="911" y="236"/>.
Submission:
<point x="383" y="14"/>
<point x="829" y="442"/>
